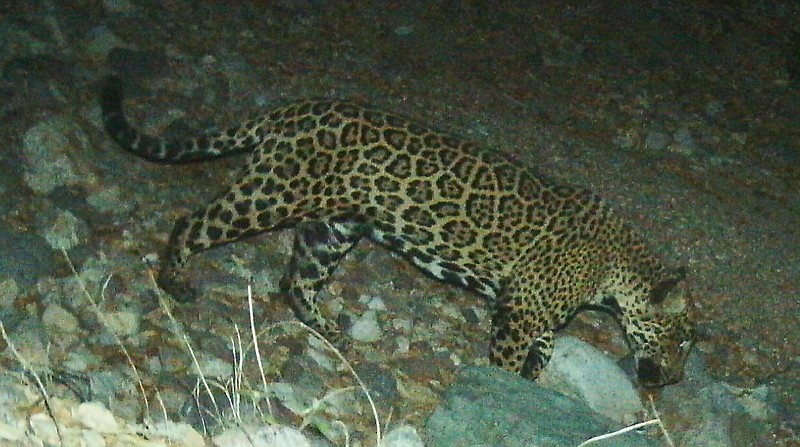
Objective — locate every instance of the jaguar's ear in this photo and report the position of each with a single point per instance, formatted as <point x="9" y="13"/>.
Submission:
<point x="661" y="289"/>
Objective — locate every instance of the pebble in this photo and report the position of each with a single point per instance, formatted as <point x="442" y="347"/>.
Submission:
<point x="63" y="234"/>
<point x="100" y="41"/>
<point x="95" y="416"/>
<point x="9" y="290"/>
<point x="656" y="141"/>
<point x="266" y="436"/>
<point x="402" y="436"/>
<point x="59" y="322"/>
<point x="366" y="328"/>
<point x="685" y="143"/>
<point x="44" y="147"/>
<point x="404" y="30"/>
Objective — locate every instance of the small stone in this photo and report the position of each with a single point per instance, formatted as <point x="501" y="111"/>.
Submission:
<point x="317" y="350"/>
<point x="109" y="199"/>
<point x="402" y="436"/>
<point x="44" y="147"/>
<point x="212" y="367"/>
<point x="58" y="321"/>
<point x="404" y="31"/>
<point x="99" y="42"/>
<point x="366" y="328"/>
<point x="286" y="394"/>
<point x="9" y="291"/>
<point x="266" y="436"/>
<point x="79" y="359"/>
<point x="402" y="324"/>
<point x="685" y="143"/>
<point x="95" y="416"/>
<point x="656" y="141"/>
<point x="403" y="345"/>
<point x="177" y="433"/>
<point x="63" y="235"/>
<point x="30" y="347"/>
<point x="375" y="303"/>
<point x="44" y="428"/>
<point x="452" y="311"/>
<point x="415" y="391"/>
<point x="123" y="323"/>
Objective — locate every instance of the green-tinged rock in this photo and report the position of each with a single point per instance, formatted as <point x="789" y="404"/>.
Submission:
<point x="492" y="407"/>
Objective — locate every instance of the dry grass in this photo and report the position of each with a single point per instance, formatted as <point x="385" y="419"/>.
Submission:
<point x="655" y="421"/>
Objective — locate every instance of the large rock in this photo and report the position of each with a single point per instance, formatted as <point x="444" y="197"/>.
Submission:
<point x="584" y="373"/>
<point x="492" y="407"/>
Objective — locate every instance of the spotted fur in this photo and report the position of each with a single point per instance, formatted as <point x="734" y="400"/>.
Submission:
<point x="338" y="172"/>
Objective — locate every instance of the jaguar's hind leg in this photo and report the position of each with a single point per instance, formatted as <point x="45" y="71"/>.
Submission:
<point x="318" y="248"/>
<point x="239" y="213"/>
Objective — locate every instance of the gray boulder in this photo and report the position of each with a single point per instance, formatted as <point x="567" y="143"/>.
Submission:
<point x="491" y="407"/>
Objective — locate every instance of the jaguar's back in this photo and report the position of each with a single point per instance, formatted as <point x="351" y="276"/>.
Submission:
<point x="337" y="171"/>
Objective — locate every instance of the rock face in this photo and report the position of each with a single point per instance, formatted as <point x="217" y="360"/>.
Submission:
<point x="491" y="407"/>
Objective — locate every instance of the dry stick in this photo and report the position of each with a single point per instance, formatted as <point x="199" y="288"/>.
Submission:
<point x="660" y="423"/>
<point x="161" y="404"/>
<point x="229" y="395"/>
<point x="344" y="430"/>
<point x="202" y="376"/>
<point x="319" y="336"/>
<point x="179" y="331"/>
<point x="104" y="322"/>
<point x="27" y="366"/>
<point x="328" y="345"/>
<point x="349" y="367"/>
<point x="619" y="432"/>
<point x="236" y="380"/>
<point x="196" y="395"/>
<point x="202" y="379"/>
<point x="255" y="346"/>
<point x="317" y="403"/>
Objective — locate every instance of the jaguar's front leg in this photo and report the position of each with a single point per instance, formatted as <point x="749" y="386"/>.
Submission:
<point x="523" y="340"/>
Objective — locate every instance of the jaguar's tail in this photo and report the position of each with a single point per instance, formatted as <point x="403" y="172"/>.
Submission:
<point x="220" y="144"/>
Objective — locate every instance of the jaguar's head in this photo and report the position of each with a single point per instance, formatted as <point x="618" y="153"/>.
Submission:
<point x="661" y="345"/>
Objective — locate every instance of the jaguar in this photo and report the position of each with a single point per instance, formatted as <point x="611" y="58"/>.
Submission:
<point x="338" y="172"/>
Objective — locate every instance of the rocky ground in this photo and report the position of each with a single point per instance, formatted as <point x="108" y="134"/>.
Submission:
<point x="684" y="115"/>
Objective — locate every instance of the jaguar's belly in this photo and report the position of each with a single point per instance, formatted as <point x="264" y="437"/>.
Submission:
<point x="451" y="267"/>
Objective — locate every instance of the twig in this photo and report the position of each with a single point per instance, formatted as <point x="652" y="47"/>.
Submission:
<point x="349" y="367"/>
<point x="660" y="422"/>
<point x="256" y="348"/>
<point x="619" y="432"/>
